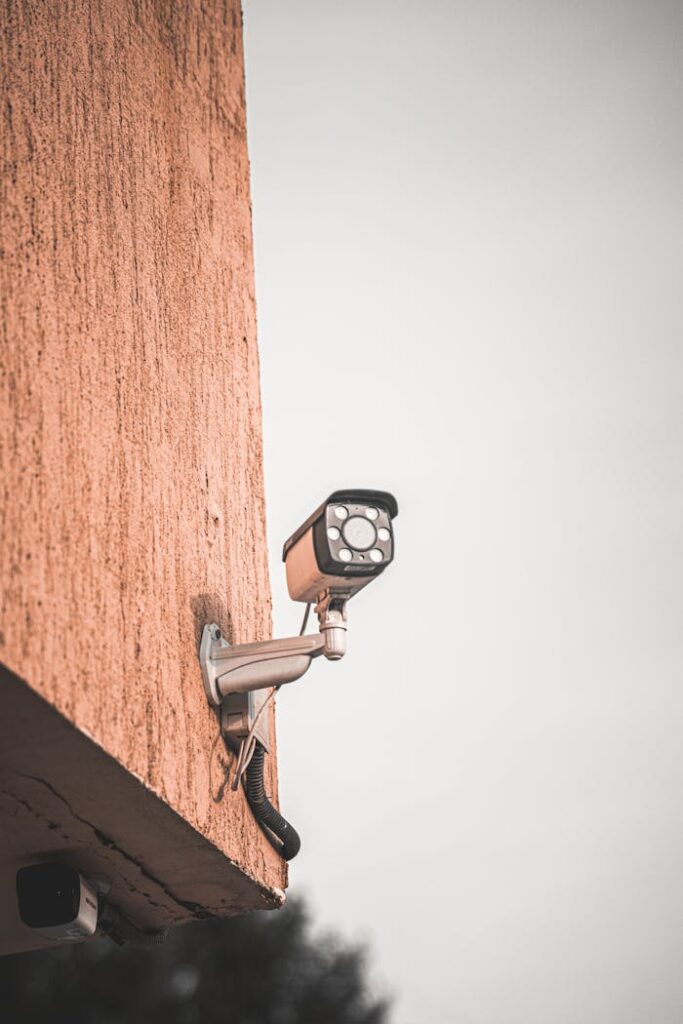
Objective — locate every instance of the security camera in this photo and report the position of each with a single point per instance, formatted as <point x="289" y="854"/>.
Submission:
<point x="343" y="546"/>
<point x="346" y="543"/>
<point x="61" y="904"/>
<point x="57" y="901"/>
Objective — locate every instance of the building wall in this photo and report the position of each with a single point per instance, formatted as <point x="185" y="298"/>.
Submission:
<point x="132" y="507"/>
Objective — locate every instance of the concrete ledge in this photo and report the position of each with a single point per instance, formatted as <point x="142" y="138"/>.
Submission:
<point x="63" y="797"/>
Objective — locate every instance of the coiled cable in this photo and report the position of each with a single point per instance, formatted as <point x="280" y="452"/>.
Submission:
<point x="282" y="836"/>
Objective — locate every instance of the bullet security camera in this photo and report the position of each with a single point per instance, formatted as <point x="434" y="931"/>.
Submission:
<point x="61" y="904"/>
<point x="346" y="543"/>
<point x="343" y="546"/>
<point x="57" y="901"/>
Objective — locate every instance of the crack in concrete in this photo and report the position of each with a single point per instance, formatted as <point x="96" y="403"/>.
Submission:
<point x="195" y="909"/>
<point x="52" y="825"/>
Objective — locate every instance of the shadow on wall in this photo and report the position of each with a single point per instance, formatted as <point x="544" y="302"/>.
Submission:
<point x="265" y="967"/>
<point x="210" y="608"/>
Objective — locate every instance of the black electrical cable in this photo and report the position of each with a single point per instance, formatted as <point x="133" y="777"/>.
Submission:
<point x="282" y="836"/>
<point x="278" y="831"/>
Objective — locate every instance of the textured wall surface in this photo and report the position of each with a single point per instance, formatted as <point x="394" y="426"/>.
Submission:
<point x="132" y="503"/>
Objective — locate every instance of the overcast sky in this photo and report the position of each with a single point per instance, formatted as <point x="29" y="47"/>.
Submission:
<point x="468" y="235"/>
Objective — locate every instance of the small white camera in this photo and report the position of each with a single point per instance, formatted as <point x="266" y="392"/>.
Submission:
<point x="346" y="543"/>
<point x="57" y="901"/>
<point x="61" y="904"/>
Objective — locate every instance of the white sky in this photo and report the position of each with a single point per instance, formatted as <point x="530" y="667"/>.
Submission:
<point x="468" y="262"/>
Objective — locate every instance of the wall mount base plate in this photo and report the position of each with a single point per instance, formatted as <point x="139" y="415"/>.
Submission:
<point x="212" y="640"/>
<point x="238" y="710"/>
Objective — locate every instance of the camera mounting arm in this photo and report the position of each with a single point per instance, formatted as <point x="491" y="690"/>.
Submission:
<point x="246" y="667"/>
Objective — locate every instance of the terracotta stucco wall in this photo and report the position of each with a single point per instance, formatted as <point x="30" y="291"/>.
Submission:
<point x="132" y="503"/>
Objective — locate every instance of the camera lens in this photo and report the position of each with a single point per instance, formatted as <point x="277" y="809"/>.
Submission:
<point x="359" y="533"/>
<point x="48" y="895"/>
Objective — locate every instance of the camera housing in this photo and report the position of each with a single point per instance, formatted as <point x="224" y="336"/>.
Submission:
<point x="346" y="543"/>
<point x="57" y="901"/>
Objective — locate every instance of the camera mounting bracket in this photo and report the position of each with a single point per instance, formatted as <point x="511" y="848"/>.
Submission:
<point x="243" y="668"/>
<point x="246" y="667"/>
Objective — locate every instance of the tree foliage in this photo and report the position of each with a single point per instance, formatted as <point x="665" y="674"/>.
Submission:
<point x="264" y="968"/>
